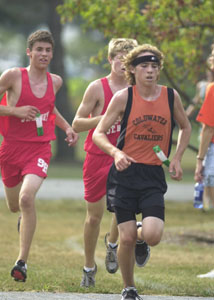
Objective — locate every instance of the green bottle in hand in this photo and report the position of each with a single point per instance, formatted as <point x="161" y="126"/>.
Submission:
<point x="161" y="155"/>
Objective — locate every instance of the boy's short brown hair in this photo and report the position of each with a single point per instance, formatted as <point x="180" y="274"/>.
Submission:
<point x="120" y="45"/>
<point x="40" y="36"/>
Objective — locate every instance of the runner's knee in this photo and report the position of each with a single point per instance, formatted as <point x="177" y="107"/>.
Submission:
<point x="93" y="220"/>
<point x="153" y="240"/>
<point x="128" y="240"/>
<point x="26" y="201"/>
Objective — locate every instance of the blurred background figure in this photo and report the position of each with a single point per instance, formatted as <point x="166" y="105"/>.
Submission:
<point x="205" y="159"/>
<point x="200" y="93"/>
<point x="208" y="160"/>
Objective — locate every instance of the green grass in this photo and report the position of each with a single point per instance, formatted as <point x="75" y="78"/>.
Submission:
<point x="56" y="257"/>
<point x="71" y="170"/>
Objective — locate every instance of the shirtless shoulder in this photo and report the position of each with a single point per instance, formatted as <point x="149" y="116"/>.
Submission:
<point x="10" y="82"/>
<point x="93" y="97"/>
<point x="57" y="82"/>
<point x="121" y="96"/>
<point x="119" y="101"/>
<point x="95" y="88"/>
<point x="10" y="77"/>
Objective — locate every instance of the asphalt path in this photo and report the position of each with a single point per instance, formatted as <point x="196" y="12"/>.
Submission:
<point x="75" y="296"/>
<point x="54" y="189"/>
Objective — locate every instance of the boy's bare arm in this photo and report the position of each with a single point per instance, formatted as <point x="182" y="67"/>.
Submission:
<point x="91" y="100"/>
<point x="183" y="138"/>
<point x="114" y="112"/>
<point x="8" y="83"/>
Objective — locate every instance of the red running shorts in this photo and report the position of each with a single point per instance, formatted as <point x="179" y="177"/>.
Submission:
<point x="20" y="158"/>
<point x="95" y="173"/>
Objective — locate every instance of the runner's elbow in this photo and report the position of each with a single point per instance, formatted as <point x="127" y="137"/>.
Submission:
<point x="76" y="126"/>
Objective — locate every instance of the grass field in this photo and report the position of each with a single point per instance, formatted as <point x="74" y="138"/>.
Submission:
<point x="56" y="257"/>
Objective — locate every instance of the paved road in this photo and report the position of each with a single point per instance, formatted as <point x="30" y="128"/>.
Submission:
<point x="73" y="188"/>
<point x="74" y="296"/>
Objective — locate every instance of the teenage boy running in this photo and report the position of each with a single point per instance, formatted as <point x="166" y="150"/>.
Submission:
<point x="97" y="164"/>
<point x="136" y="182"/>
<point x="27" y="123"/>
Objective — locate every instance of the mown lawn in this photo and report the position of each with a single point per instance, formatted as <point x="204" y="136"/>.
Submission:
<point x="56" y="258"/>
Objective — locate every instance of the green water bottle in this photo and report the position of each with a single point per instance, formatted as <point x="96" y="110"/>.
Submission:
<point x="39" y="125"/>
<point x="161" y="155"/>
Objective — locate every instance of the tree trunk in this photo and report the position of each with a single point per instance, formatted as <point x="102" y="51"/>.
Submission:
<point x="63" y="152"/>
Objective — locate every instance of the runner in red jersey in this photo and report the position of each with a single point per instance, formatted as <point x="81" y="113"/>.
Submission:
<point x="27" y="123"/>
<point x="97" y="164"/>
<point x="136" y="182"/>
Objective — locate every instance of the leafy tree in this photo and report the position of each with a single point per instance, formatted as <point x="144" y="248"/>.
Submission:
<point x="182" y="29"/>
<point x="57" y="66"/>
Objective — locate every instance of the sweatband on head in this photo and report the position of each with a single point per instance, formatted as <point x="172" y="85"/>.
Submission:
<point x="146" y="58"/>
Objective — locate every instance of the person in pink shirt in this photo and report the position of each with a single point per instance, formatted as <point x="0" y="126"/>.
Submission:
<point x="27" y="123"/>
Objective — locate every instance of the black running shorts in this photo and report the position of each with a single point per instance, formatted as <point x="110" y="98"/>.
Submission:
<point x="137" y="188"/>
